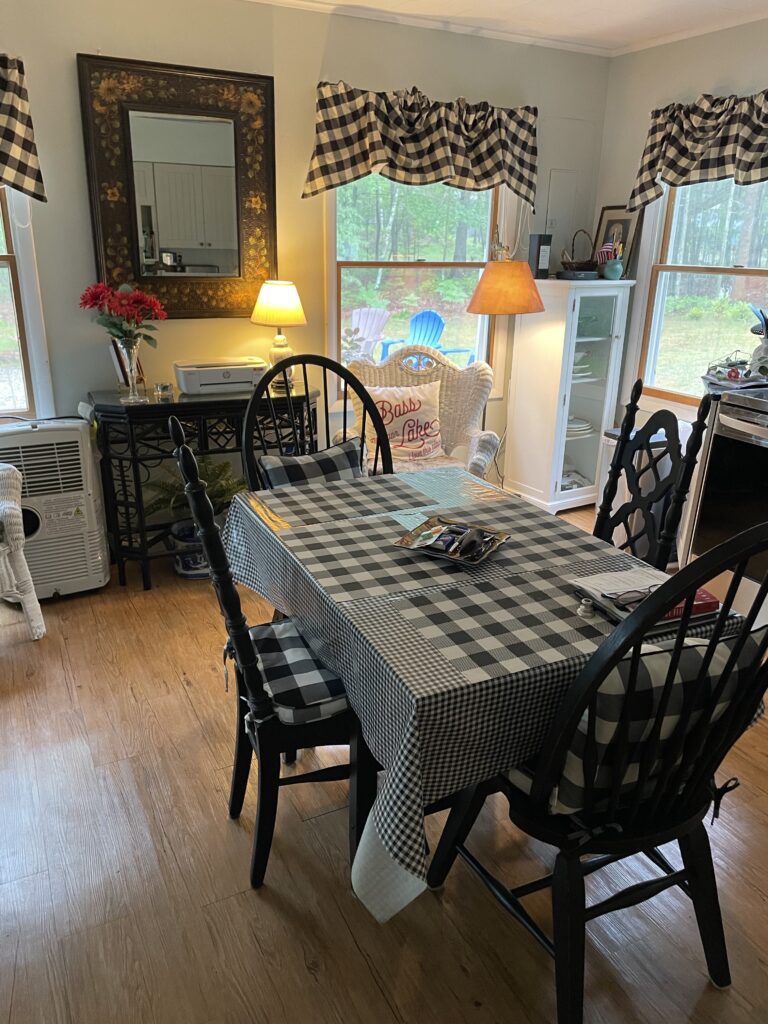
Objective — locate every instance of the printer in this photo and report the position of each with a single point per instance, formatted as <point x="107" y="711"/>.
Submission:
<point x="219" y="376"/>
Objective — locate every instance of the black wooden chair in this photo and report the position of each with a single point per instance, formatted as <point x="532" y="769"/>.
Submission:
<point x="658" y="478"/>
<point x="277" y="423"/>
<point x="286" y="698"/>
<point x="629" y="764"/>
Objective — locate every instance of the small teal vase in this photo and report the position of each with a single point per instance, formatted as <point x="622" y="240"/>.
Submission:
<point x="613" y="269"/>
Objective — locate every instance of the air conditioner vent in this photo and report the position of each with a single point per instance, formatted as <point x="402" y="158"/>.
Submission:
<point x="48" y="468"/>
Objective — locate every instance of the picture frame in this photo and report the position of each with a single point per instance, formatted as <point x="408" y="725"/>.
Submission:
<point x="111" y="89"/>
<point x="616" y="224"/>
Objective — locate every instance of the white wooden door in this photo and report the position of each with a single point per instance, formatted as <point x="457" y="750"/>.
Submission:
<point x="179" y="198"/>
<point x="144" y="183"/>
<point x="219" y="207"/>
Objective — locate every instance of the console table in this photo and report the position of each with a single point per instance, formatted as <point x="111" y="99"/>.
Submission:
<point x="133" y="441"/>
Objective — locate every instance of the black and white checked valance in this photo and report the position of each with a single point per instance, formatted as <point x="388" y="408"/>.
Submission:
<point x="19" y="166"/>
<point x="711" y="139"/>
<point x="408" y="138"/>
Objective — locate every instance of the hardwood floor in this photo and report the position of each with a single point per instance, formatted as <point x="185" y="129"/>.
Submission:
<point x="124" y="890"/>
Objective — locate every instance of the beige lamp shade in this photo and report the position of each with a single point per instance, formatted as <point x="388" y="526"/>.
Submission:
<point x="506" y="287"/>
<point x="278" y="305"/>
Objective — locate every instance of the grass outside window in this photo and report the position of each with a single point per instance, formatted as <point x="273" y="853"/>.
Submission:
<point x="713" y="263"/>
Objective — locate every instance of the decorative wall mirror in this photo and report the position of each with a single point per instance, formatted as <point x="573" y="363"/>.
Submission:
<point x="181" y="174"/>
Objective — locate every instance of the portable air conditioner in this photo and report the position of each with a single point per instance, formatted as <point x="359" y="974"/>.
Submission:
<point x="65" y="547"/>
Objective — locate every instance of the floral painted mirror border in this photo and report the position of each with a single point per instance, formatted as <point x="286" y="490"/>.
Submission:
<point x="109" y="89"/>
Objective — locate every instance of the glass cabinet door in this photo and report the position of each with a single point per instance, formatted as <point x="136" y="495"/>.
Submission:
<point x="592" y="349"/>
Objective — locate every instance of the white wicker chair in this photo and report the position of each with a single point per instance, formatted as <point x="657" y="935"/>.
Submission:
<point x="15" y="582"/>
<point x="463" y="394"/>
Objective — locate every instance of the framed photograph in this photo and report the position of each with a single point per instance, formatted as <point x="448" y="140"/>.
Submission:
<point x="618" y="228"/>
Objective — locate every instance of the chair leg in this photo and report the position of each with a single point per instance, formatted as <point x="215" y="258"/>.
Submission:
<point x="363" y="772"/>
<point x="26" y="591"/>
<point x="568" y="918"/>
<point x="268" y="761"/>
<point x="697" y="859"/>
<point x="242" y="766"/>
<point x="289" y="757"/>
<point x="463" y="816"/>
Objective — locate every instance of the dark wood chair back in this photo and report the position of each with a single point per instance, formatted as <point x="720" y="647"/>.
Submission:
<point x="658" y="478"/>
<point x="276" y="424"/>
<point x="241" y="646"/>
<point x="676" y="762"/>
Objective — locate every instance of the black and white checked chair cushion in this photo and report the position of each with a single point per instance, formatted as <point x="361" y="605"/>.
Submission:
<point x="340" y="462"/>
<point x="568" y="795"/>
<point x="301" y="688"/>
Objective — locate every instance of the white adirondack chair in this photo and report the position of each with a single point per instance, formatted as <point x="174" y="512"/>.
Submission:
<point x="370" y="323"/>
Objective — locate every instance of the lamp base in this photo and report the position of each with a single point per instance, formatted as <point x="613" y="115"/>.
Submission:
<point x="281" y="350"/>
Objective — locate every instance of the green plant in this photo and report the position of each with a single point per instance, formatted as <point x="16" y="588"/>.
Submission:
<point x="222" y="486"/>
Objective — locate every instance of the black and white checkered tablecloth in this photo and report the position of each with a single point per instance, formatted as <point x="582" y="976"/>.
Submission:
<point x="287" y="507"/>
<point x="455" y="674"/>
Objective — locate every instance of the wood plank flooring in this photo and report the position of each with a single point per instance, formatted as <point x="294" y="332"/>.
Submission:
<point x="124" y="890"/>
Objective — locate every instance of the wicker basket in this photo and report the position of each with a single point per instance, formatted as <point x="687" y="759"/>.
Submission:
<point x="569" y="260"/>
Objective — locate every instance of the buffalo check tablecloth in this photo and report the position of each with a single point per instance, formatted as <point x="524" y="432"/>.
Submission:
<point x="455" y="673"/>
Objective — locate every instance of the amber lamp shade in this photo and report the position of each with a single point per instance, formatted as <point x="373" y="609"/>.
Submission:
<point x="505" y="288"/>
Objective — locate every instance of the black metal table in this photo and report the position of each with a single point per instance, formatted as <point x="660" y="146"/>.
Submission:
<point x="133" y="441"/>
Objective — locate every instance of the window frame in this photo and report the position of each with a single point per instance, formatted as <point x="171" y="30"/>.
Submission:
<point x="10" y="259"/>
<point x="340" y="265"/>
<point x="661" y="266"/>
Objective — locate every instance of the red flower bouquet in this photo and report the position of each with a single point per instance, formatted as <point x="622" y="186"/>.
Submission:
<point x="124" y="313"/>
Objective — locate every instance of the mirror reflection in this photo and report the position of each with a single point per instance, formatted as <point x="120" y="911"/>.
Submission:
<point x="185" y="194"/>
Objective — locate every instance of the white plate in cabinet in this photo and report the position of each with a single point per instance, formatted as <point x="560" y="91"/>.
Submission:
<point x="563" y="387"/>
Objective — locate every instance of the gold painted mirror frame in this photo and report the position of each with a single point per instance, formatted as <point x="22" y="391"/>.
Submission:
<point x="109" y="89"/>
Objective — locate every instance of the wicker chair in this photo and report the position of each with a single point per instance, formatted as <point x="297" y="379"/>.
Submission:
<point x="15" y="582"/>
<point x="463" y="394"/>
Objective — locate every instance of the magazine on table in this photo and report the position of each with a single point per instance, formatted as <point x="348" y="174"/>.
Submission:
<point x="617" y="594"/>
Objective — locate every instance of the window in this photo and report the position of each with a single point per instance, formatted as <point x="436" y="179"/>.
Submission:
<point x="404" y="252"/>
<point x="15" y="383"/>
<point x="713" y="264"/>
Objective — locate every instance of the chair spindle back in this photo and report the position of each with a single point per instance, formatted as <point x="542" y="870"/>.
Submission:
<point x="674" y="751"/>
<point x="277" y="422"/>
<point x="221" y="576"/>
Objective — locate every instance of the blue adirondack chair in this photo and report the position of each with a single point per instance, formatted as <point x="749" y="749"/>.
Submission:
<point x="426" y="328"/>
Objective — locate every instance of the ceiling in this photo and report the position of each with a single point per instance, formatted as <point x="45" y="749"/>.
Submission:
<point x="607" y="27"/>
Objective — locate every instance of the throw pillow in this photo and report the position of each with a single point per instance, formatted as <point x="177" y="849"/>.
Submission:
<point x="340" y="462"/>
<point x="412" y="419"/>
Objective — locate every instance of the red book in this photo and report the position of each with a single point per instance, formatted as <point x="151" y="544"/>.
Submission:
<point x="703" y="604"/>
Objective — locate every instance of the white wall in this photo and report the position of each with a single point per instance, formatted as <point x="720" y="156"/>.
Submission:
<point x="299" y="48"/>
<point x="179" y="140"/>
<point x="720" y="63"/>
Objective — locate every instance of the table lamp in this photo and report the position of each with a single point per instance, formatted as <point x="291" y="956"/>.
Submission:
<point x="505" y="288"/>
<point x="278" y="305"/>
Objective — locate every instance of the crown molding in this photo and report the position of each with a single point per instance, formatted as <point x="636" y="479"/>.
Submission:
<point x="329" y="7"/>
<point x="678" y="37"/>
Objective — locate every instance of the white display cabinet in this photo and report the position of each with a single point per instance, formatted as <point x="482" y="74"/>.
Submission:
<point x="563" y="389"/>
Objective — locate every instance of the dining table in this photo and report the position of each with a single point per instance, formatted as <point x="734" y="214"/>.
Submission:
<point x="455" y="672"/>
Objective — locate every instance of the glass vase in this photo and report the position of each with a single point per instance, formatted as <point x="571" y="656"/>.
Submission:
<point x="129" y="349"/>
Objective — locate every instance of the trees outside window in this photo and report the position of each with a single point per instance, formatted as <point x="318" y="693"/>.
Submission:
<point x="15" y="385"/>
<point x="403" y="250"/>
<point x="713" y="263"/>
